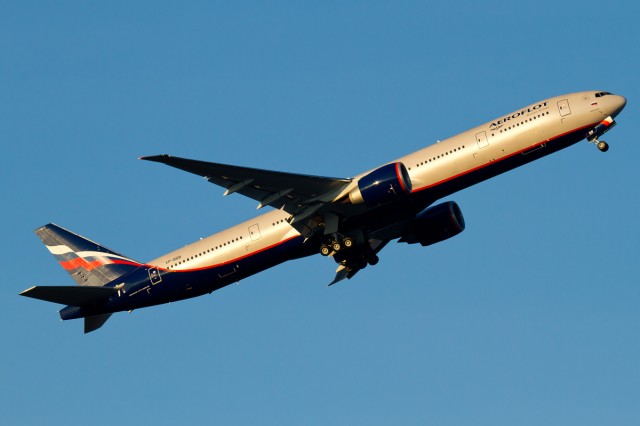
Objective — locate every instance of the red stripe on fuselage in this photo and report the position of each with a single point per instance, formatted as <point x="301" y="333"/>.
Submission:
<point x="228" y="261"/>
<point x="500" y="159"/>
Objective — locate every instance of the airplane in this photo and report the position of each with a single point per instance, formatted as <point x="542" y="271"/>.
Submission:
<point x="348" y="219"/>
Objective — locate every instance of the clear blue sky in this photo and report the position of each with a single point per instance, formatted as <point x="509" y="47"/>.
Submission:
<point x="530" y="317"/>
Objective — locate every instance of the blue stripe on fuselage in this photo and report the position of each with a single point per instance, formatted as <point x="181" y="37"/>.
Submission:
<point x="496" y="167"/>
<point x="139" y="292"/>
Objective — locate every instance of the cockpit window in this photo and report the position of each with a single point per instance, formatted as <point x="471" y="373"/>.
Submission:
<point x="600" y="94"/>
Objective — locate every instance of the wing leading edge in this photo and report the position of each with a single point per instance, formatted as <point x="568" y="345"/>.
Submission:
<point x="290" y="191"/>
<point x="312" y="201"/>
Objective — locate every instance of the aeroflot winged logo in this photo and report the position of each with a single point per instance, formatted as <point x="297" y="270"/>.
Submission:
<point x="497" y="124"/>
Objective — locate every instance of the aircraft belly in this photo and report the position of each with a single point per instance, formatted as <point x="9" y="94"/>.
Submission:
<point x="178" y="285"/>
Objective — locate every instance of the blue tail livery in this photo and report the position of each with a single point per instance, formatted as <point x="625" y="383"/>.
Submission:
<point x="91" y="266"/>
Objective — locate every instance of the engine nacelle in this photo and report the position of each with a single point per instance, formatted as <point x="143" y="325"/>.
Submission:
<point x="435" y="224"/>
<point x="383" y="185"/>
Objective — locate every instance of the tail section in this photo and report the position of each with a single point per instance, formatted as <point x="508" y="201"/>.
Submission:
<point x="88" y="263"/>
<point x="91" y="266"/>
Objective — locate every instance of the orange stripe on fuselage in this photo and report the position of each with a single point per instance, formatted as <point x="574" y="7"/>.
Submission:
<point x="482" y="166"/>
<point x="227" y="262"/>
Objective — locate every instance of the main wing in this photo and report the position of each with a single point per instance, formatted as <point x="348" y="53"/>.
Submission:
<point x="290" y="191"/>
<point x="313" y="201"/>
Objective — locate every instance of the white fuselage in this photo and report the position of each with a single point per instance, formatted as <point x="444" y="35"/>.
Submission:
<point x="512" y="137"/>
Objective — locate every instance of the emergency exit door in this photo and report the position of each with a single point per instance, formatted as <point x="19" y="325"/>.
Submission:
<point x="154" y="276"/>
<point x="254" y="232"/>
<point x="563" y="107"/>
<point x="481" y="139"/>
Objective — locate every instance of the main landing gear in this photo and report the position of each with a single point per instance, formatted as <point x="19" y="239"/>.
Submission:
<point x="336" y="244"/>
<point x="344" y="251"/>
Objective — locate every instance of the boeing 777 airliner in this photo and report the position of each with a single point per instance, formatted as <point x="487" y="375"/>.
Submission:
<point x="349" y="220"/>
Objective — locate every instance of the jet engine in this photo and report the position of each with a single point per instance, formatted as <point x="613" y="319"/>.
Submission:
<point x="435" y="224"/>
<point x="383" y="185"/>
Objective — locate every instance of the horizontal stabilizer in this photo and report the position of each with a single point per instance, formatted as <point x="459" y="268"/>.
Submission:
<point x="73" y="296"/>
<point x="94" y="322"/>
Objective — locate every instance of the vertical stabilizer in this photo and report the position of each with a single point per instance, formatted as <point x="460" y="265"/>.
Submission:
<point x="88" y="263"/>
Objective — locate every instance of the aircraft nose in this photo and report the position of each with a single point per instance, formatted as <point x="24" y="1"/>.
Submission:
<point x="619" y="102"/>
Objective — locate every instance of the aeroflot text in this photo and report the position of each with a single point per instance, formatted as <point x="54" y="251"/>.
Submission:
<point x="517" y="114"/>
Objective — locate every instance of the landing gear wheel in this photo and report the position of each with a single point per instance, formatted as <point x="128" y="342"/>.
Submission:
<point x="336" y="246"/>
<point x="373" y="259"/>
<point x="325" y="250"/>
<point x="603" y="146"/>
<point x="348" y="242"/>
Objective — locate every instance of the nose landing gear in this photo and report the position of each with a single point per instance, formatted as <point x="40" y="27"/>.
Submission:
<point x="601" y="145"/>
<point x="599" y="130"/>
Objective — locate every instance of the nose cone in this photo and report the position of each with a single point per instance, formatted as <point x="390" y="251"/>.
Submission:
<point x="617" y="104"/>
